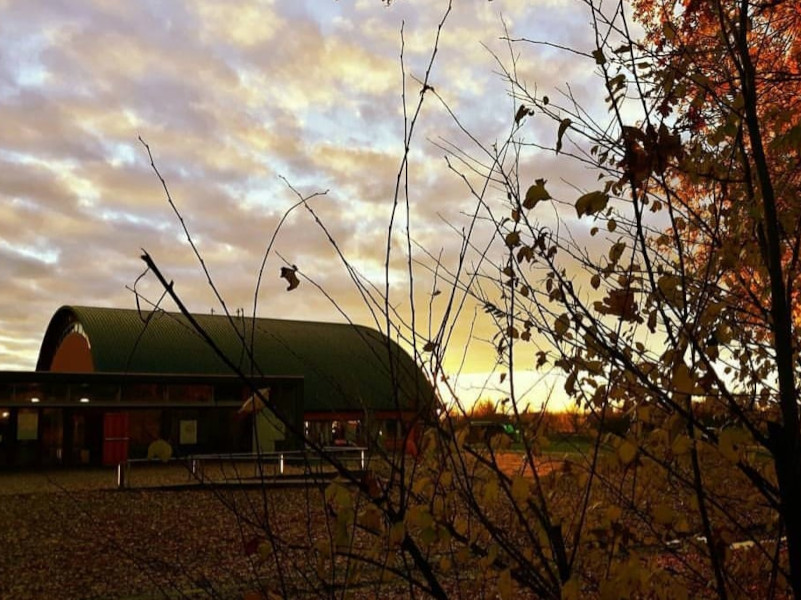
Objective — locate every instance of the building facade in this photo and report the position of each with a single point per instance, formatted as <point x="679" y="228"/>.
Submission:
<point x="110" y="381"/>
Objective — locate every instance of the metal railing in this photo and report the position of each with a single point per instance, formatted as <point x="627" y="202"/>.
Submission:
<point x="289" y="463"/>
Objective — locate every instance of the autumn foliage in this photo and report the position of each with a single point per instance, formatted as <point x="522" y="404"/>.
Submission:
<point x="673" y="329"/>
<point x="718" y="188"/>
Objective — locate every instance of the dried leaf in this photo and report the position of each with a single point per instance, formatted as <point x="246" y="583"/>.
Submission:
<point x="563" y="125"/>
<point x="536" y="193"/>
<point x="505" y="589"/>
<point x="561" y="325"/>
<point x="513" y="239"/>
<point x="591" y="203"/>
<point x="627" y="452"/>
<point x="290" y="274"/>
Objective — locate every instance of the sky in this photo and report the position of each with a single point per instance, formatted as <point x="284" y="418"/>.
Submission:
<point x="238" y="101"/>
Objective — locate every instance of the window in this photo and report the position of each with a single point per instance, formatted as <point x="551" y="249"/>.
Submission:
<point x="190" y="393"/>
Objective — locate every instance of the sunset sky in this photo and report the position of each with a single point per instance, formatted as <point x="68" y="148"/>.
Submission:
<point x="232" y="96"/>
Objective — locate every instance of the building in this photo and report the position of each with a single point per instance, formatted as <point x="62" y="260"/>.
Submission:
<point x="110" y="381"/>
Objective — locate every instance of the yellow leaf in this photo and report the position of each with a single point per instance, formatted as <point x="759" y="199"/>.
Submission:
<point x="663" y="514"/>
<point x="563" y="125"/>
<point x="613" y="513"/>
<point x="678" y="592"/>
<point x="591" y="203"/>
<point x="627" y="452"/>
<point x="513" y="239"/>
<point x="520" y="489"/>
<point x="460" y="526"/>
<point x="491" y="491"/>
<point x="616" y="251"/>
<point x="730" y="444"/>
<point x="438" y="506"/>
<point x="667" y="284"/>
<point x="446" y="479"/>
<point x="461" y="436"/>
<point x="535" y="194"/>
<point x="621" y="303"/>
<point x="682" y="379"/>
<point x="397" y="533"/>
<point x="428" y="536"/>
<point x="570" y="590"/>
<point x="652" y="321"/>
<point x="505" y="589"/>
<point x="341" y="533"/>
<point x="682" y="526"/>
<point x="492" y="554"/>
<point x="681" y="445"/>
<point x="444" y="537"/>
<point x="644" y="413"/>
<point x="265" y="550"/>
<point x="561" y="325"/>
<point x="323" y="547"/>
<point x="338" y="495"/>
<point x="370" y="518"/>
<point x="420" y="485"/>
<point x="418" y="516"/>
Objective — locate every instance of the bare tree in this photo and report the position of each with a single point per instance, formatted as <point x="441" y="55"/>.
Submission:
<point x="674" y="283"/>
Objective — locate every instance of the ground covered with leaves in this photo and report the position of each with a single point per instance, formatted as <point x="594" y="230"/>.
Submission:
<point x="73" y="535"/>
<point x="77" y="541"/>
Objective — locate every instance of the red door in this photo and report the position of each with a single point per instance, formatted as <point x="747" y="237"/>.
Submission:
<point x="115" y="438"/>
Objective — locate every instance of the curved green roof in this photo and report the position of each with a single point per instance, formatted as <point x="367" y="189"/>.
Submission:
<point x="345" y="367"/>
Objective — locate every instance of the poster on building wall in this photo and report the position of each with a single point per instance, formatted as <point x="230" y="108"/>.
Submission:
<point x="27" y="425"/>
<point x="187" y="432"/>
<point x="268" y="430"/>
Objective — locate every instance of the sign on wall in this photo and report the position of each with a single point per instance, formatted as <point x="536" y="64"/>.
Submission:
<point x="27" y="425"/>
<point x="187" y="432"/>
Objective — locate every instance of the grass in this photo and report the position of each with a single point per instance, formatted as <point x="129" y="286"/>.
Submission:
<point x="563" y="443"/>
<point x="570" y="444"/>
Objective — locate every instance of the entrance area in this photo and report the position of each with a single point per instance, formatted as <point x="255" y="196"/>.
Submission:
<point x="76" y="419"/>
<point x="116" y="436"/>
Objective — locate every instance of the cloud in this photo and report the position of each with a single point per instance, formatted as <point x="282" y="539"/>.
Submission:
<point x="230" y="96"/>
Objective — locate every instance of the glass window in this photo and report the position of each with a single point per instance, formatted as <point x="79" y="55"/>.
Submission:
<point x="190" y="393"/>
<point x="144" y="393"/>
<point x="88" y="393"/>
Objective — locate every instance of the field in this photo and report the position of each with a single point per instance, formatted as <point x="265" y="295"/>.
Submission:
<point x="73" y="535"/>
<point x="76" y="537"/>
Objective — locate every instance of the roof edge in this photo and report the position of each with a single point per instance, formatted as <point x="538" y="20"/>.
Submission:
<point x="61" y="318"/>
